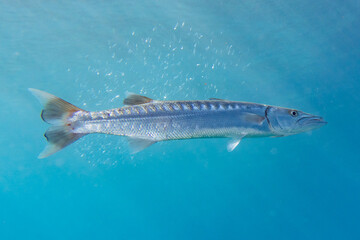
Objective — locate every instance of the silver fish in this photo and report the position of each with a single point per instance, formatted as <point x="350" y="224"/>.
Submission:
<point x="146" y="121"/>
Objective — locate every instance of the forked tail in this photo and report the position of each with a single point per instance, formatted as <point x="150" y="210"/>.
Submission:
<point x="56" y="112"/>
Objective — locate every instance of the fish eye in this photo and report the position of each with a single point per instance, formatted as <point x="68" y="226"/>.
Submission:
<point x="293" y="113"/>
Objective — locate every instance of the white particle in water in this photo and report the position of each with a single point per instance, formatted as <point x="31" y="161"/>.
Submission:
<point x="177" y="24"/>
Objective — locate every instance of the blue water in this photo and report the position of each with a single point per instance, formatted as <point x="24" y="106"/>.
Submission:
<point x="299" y="54"/>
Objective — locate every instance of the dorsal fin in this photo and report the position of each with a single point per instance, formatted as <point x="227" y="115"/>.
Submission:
<point x="135" y="99"/>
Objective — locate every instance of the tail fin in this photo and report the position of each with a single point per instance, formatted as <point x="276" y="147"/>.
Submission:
<point x="56" y="112"/>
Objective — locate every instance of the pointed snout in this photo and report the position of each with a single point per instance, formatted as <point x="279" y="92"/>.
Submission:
<point x="317" y="120"/>
<point x="312" y="122"/>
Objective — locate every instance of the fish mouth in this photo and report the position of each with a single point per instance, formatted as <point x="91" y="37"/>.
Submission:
<point x="311" y="121"/>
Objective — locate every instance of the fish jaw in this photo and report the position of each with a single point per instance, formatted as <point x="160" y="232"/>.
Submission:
<point x="311" y="122"/>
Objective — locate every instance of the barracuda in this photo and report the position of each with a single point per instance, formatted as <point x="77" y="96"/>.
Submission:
<point x="146" y="121"/>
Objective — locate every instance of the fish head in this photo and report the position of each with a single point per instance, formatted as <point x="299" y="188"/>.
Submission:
<point x="285" y="121"/>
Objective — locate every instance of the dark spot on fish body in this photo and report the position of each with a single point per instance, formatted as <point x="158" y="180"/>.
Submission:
<point x="70" y="126"/>
<point x="175" y="106"/>
<point x="183" y="106"/>
<point x="105" y="114"/>
<point x="224" y="106"/>
<point x="135" y="110"/>
<point x="144" y="109"/>
<point x="215" y="105"/>
<point x="159" y="107"/>
<point x="119" y="112"/>
<point x="227" y="106"/>
<point x="188" y="106"/>
<point x="202" y="106"/>
<point x="151" y="108"/>
<point x="168" y="107"/>
<point x="112" y="114"/>
<point x="232" y="106"/>
<point x="207" y="106"/>
<point x="196" y="105"/>
<point x="237" y="106"/>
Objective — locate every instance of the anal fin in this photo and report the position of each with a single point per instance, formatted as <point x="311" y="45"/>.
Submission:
<point x="138" y="144"/>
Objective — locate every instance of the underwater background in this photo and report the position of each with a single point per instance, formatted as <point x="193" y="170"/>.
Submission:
<point x="297" y="54"/>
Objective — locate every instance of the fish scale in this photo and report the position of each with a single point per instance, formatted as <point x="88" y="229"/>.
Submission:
<point x="167" y="120"/>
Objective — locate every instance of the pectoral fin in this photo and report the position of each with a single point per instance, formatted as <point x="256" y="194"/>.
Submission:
<point x="138" y="144"/>
<point x="232" y="144"/>
<point x="253" y="118"/>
